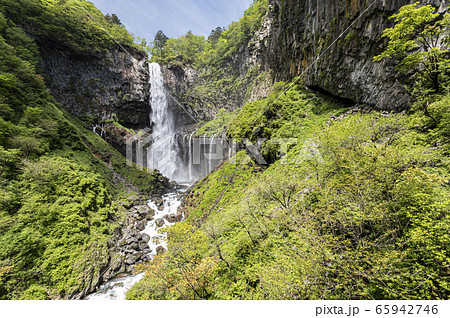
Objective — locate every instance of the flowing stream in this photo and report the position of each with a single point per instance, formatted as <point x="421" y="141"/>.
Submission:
<point x="116" y="289"/>
<point x="162" y="156"/>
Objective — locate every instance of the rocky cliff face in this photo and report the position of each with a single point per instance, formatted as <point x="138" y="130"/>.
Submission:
<point x="331" y="45"/>
<point x="241" y="78"/>
<point x="178" y="82"/>
<point x="113" y="85"/>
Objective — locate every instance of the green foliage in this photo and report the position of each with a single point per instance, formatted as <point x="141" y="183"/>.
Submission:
<point x="158" y="45"/>
<point x="219" y="82"/>
<point x="289" y="115"/>
<point x="64" y="210"/>
<point x="182" y="274"/>
<point x="3" y="22"/>
<point x="357" y="209"/>
<point x="220" y="45"/>
<point x="77" y="26"/>
<point x="185" y="49"/>
<point x="251" y="116"/>
<point x="218" y="125"/>
<point x="231" y="40"/>
<point x="113" y="18"/>
<point x="9" y="163"/>
<point x="57" y="182"/>
<point x="416" y="41"/>
<point x="215" y="34"/>
<point x="36" y="292"/>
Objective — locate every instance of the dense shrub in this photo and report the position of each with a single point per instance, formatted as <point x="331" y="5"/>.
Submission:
<point x="56" y="214"/>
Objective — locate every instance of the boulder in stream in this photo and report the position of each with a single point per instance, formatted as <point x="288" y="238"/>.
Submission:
<point x="145" y="238"/>
<point x="160" y="222"/>
<point x="132" y="258"/>
<point x="172" y="218"/>
<point x="141" y="225"/>
<point x="142" y="246"/>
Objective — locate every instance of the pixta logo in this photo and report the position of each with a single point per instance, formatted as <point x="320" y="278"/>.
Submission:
<point x="147" y="150"/>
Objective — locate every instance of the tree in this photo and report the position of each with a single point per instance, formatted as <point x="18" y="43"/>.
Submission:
<point x="9" y="163"/>
<point x="5" y="270"/>
<point x="215" y="35"/>
<point x="114" y="19"/>
<point x="160" y="40"/>
<point x="158" y="45"/>
<point x="417" y="42"/>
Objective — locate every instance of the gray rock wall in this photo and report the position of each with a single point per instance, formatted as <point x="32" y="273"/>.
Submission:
<point x="303" y="30"/>
<point x="111" y="85"/>
<point x="344" y="34"/>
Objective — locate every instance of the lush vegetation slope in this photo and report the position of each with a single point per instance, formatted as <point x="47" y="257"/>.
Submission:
<point x="358" y="209"/>
<point x="58" y="193"/>
<point x="353" y="204"/>
<point x="75" y="26"/>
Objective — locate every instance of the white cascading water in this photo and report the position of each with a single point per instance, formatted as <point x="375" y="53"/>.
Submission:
<point x="190" y="155"/>
<point x="162" y="154"/>
<point x="117" y="288"/>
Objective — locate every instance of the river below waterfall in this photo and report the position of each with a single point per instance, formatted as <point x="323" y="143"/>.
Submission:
<point x="117" y="288"/>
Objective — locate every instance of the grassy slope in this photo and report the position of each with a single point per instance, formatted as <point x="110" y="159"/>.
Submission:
<point x="75" y="26"/>
<point x="358" y="209"/>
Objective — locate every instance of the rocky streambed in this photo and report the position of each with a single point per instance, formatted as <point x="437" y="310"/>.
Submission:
<point x="142" y="239"/>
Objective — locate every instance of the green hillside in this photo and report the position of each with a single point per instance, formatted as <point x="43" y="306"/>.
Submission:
<point x="58" y="198"/>
<point x="353" y="203"/>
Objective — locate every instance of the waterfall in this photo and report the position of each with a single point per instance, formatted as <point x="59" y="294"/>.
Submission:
<point x="162" y="154"/>
<point x="212" y="143"/>
<point x="191" y="155"/>
<point x="204" y="157"/>
<point x="158" y="118"/>
<point x="102" y="130"/>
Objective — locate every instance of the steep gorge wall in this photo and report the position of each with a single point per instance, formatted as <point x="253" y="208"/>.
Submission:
<point x="345" y="35"/>
<point x="112" y="85"/>
<point x="102" y="89"/>
<point x="243" y="77"/>
<point x="329" y="43"/>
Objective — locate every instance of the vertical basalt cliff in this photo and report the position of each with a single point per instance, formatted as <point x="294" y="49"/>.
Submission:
<point x="228" y="84"/>
<point x="102" y="89"/>
<point x="331" y="44"/>
<point x="111" y="85"/>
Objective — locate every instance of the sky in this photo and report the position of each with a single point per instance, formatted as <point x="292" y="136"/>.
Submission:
<point x="144" y="18"/>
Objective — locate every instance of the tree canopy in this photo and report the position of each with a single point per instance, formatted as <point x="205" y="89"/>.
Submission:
<point x="220" y="45"/>
<point x="419" y="42"/>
